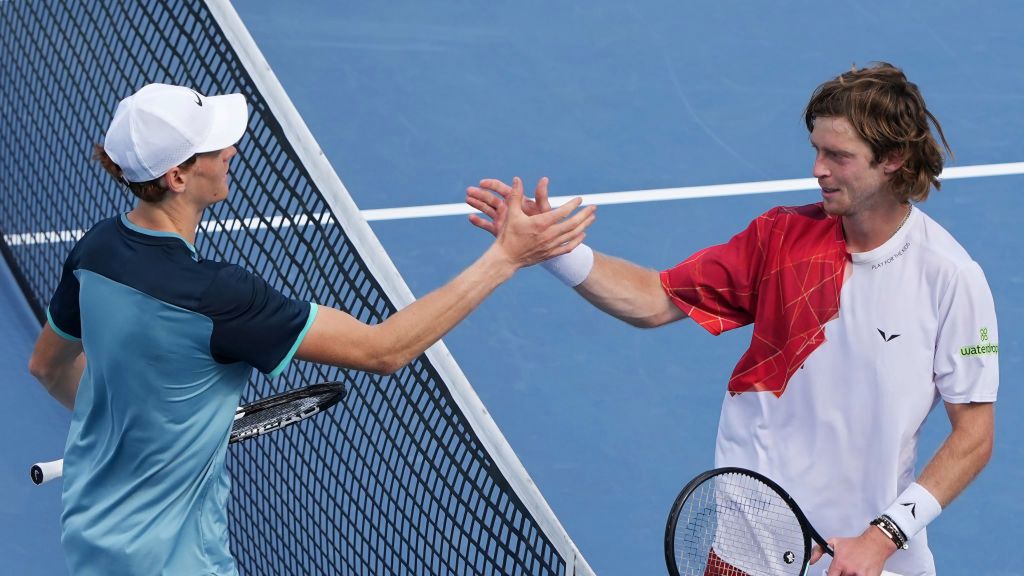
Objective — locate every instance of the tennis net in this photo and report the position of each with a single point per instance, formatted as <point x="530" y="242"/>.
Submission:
<point x="409" y="475"/>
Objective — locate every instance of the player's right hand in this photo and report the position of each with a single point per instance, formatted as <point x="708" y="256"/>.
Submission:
<point x="530" y="239"/>
<point x="493" y="193"/>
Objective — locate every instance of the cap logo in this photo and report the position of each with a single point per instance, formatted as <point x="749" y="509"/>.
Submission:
<point x="199" y="100"/>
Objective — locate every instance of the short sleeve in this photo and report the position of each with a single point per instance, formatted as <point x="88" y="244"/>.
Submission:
<point x="967" y="348"/>
<point x="717" y="287"/>
<point x="63" y="314"/>
<point x="253" y="322"/>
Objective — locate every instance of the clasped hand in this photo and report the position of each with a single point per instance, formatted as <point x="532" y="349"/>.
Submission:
<point x="529" y="231"/>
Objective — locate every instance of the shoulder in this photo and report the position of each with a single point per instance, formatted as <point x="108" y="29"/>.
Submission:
<point x="946" y="262"/>
<point x="94" y="241"/>
<point x="101" y="232"/>
<point x="811" y="211"/>
<point x="939" y="244"/>
<point x="103" y="227"/>
<point x="787" y="223"/>
<point x="941" y="252"/>
<point x="228" y="280"/>
<point x="232" y="290"/>
<point x="806" y="215"/>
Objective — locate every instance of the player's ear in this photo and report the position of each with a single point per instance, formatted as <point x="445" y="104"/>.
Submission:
<point x="892" y="162"/>
<point x="175" y="179"/>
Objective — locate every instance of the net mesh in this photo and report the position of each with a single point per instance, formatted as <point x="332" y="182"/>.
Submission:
<point x="391" y="481"/>
<point x="732" y="524"/>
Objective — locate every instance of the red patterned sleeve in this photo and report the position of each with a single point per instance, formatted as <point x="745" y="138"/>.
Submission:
<point x="784" y="274"/>
<point x="717" y="287"/>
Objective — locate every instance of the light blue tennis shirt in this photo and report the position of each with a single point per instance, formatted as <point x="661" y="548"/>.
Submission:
<point x="170" y="340"/>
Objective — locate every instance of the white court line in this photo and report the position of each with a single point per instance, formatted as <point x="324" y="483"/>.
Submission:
<point x="635" y="196"/>
<point x="207" y="227"/>
<point x="686" y="193"/>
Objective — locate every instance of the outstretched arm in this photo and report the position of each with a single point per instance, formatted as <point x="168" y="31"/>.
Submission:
<point x="628" y="292"/>
<point x="339" y="339"/>
<point x="622" y="289"/>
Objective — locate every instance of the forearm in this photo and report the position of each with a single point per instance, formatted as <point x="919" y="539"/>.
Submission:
<point x="63" y="382"/>
<point x="628" y="292"/>
<point x="57" y="363"/>
<point x="339" y="339"/>
<point x="964" y="453"/>
<point x="409" y="332"/>
<point x="960" y="458"/>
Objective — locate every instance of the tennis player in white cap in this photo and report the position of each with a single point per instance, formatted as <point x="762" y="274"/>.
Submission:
<point x="151" y="344"/>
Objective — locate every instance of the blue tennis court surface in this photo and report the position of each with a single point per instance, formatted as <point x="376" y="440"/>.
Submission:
<point x="33" y="428"/>
<point x="412" y="102"/>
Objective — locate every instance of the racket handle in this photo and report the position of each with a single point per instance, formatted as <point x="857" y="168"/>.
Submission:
<point x="43" y="472"/>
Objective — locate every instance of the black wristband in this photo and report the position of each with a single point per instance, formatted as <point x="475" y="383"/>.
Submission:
<point x="892" y="530"/>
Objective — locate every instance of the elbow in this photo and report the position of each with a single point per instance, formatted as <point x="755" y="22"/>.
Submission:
<point x="386" y="352"/>
<point x="645" y="323"/>
<point x="648" y="321"/>
<point x="639" y="322"/>
<point x="654" y="314"/>
<point x="386" y="360"/>
<point x="386" y="365"/>
<point x="40" y="370"/>
<point x="381" y="367"/>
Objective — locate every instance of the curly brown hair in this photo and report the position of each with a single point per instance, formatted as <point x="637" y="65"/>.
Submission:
<point x="148" y="191"/>
<point x="889" y="113"/>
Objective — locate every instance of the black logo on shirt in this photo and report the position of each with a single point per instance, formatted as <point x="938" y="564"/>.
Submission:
<point x="888" y="338"/>
<point x="199" y="100"/>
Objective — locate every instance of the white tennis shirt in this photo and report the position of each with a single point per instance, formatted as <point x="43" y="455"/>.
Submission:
<point x="916" y="324"/>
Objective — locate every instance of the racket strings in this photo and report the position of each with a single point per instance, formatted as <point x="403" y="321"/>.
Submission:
<point x="734" y="525"/>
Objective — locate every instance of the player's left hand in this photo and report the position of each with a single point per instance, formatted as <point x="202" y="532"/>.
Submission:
<point x="864" y="555"/>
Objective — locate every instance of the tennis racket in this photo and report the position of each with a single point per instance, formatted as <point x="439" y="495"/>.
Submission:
<point x="255" y="419"/>
<point x="736" y="522"/>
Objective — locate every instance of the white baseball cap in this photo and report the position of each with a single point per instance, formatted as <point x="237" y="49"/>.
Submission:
<point x="161" y="126"/>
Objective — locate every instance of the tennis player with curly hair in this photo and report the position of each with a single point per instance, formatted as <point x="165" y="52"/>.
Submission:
<point x="866" y="313"/>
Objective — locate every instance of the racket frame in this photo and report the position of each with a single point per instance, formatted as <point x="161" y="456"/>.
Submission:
<point x="43" y="472"/>
<point x="336" y="390"/>
<point x="809" y="533"/>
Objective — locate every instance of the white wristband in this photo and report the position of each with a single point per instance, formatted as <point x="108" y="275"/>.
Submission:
<point x="571" y="268"/>
<point x="913" y="509"/>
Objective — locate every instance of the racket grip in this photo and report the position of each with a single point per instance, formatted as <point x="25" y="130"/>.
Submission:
<point x="43" y="472"/>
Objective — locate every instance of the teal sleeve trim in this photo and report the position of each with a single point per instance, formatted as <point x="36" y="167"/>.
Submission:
<point x="298" y="340"/>
<point x="61" y="333"/>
